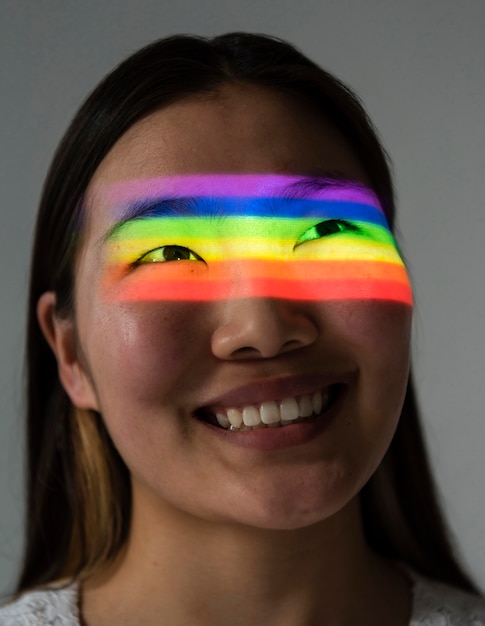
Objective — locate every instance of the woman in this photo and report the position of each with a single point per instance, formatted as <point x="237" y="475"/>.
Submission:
<point x="222" y="428"/>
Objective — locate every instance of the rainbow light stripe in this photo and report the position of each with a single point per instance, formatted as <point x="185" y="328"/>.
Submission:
<point x="250" y="236"/>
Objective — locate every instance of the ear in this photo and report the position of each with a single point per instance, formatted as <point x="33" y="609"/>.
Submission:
<point x="61" y="336"/>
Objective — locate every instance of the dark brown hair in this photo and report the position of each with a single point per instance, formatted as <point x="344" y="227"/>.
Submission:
<point x="79" y="500"/>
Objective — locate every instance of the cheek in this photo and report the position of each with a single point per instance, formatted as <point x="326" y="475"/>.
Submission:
<point x="383" y="337"/>
<point x="376" y="336"/>
<point x="146" y="350"/>
<point x="378" y="332"/>
<point x="385" y="332"/>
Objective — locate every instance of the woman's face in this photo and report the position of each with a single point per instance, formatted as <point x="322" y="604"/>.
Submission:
<point x="160" y="369"/>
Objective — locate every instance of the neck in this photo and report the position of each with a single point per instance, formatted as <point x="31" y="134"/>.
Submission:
<point x="178" y="569"/>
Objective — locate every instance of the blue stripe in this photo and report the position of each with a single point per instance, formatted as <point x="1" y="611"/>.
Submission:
<point x="257" y="207"/>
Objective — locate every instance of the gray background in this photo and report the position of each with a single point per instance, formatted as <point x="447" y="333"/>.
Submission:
<point x="419" y="66"/>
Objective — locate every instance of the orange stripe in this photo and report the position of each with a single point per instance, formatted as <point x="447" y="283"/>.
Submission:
<point x="306" y="270"/>
<point x="257" y="268"/>
<point x="295" y="280"/>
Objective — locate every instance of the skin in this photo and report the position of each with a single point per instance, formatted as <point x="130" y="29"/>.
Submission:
<point x="222" y="534"/>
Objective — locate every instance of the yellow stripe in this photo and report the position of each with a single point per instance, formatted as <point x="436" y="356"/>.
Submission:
<point x="258" y="248"/>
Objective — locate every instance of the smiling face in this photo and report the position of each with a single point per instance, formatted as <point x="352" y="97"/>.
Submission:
<point x="318" y="381"/>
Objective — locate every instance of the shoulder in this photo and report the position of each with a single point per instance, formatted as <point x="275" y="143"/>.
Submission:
<point x="54" y="606"/>
<point x="438" y="604"/>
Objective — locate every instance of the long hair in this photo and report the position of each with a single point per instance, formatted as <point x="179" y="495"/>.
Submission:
<point x="79" y="498"/>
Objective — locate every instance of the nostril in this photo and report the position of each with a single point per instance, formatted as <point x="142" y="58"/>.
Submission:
<point x="293" y="344"/>
<point x="247" y="352"/>
<point x="266" y="351"/>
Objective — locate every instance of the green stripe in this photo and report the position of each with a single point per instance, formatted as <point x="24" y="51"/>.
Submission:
<point x="239" y="227"/>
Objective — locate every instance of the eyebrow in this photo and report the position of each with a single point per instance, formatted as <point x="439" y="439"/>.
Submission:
<point x="192" y="206"/>
<point x="155" y="207"/>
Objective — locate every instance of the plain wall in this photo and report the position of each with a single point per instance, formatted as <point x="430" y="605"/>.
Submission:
<point x="419" y="66"/>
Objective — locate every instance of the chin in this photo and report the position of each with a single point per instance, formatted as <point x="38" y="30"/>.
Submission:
<point x="292" y="514"/>
<point x="286" y="522"/>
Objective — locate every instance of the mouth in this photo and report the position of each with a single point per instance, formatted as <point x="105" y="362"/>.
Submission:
<point x="272" y="413"/>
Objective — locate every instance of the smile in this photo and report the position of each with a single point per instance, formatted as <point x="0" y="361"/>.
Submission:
<point x="272" y="414"/>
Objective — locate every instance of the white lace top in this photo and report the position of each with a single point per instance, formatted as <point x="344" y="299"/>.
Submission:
<point x="434" y="604"/>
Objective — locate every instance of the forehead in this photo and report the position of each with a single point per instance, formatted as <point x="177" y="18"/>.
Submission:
<point x="271" y="195"/>
<point x="238" y="129"/>
<point x="234" y="186"/>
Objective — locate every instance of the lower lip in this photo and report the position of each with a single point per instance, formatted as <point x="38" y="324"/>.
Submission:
<point x="267" y="439"/>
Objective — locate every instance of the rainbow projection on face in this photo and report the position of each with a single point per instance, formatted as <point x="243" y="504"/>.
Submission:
<point x="215" y="237"/>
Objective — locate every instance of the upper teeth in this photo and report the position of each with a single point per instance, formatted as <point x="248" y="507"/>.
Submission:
<point x="272" y="413"/>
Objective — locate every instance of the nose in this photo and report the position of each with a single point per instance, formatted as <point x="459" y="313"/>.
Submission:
<point x="262" y="328"/>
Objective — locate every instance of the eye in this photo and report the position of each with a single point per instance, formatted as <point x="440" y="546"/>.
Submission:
<point x="326" y="228"/>
<point x="164" y="254"/>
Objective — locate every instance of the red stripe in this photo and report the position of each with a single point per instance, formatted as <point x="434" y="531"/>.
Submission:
<point x="314" y="290"/>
